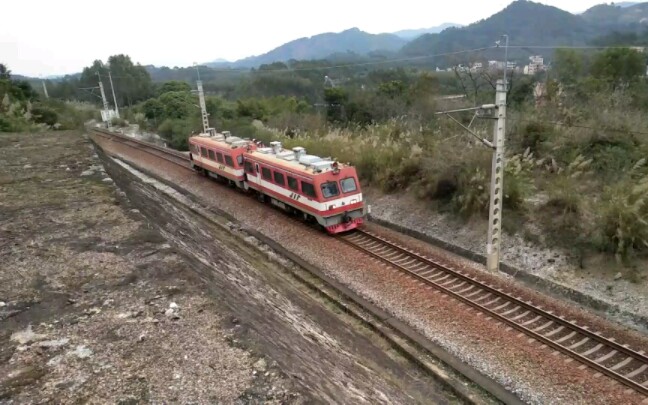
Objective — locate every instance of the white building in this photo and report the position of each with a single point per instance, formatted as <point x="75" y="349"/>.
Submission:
<point x="476" y="67"/>
<point x="536" y="65"/>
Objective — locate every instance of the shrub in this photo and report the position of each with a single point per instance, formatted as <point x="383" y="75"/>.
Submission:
<point x="622" y="215"/>
<point x="534" y="136"/>
<point x="472" y="195"/>
<point x="44" y="115"/>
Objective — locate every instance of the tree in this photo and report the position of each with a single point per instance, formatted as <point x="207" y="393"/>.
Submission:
<point x="177" y="104"/>
<point x="5" y="73"/>
<point x="335" y="99"/>
<point x="569" y="65"/>
<point x="173" y="85"/>
<point x="132" y="82"/>
<point x="619" y="65"/>
<point x="153" y="109"/>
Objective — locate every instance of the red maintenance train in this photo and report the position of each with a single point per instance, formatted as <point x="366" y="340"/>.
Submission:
<point x="320" y="190"/>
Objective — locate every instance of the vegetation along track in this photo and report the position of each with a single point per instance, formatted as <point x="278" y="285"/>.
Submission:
<point x="590" y="348"/>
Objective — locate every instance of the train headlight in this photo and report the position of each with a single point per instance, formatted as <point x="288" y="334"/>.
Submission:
<point x="332" y="207"/>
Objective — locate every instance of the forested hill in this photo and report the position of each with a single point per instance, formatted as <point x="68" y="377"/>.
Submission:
<point x="525" y="22"/>
<point x="614" y="16"/>
<point x="321" y="46"/>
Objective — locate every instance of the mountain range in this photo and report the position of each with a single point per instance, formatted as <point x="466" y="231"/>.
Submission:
<point x="411" y="34"/>
<point x="526" y="23"/>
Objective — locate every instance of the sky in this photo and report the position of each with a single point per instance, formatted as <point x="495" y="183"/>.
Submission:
<point x="46" y="37"/>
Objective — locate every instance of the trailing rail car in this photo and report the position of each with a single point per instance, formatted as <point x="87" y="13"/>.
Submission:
<point x="318" y="189"/>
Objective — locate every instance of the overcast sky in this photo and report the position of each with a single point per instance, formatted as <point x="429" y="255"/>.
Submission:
<point x="48" y="37"/>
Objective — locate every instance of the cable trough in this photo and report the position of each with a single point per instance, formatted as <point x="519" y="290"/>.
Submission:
<point x="604" y="355"/>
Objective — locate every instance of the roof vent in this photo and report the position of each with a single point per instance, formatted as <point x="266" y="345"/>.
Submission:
<point x="232" y="139"/>
<point x="211" y="131"/>
<point x="266" y="151"/>
<point x="299" y="151"/>
<point x="322" y="165"/>
<point x="219" y="137"/>
<point x="227" y="134"/>
<point x="276" y="147"/>
<point x="239" y="143"/>
<point x="287" y="155"/>
<point x="309" y="160"/>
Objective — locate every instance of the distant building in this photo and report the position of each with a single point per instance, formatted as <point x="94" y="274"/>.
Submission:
<point x="499" y="65"/>
<point x="477" y="67"/>
<point x="536" y="65"/>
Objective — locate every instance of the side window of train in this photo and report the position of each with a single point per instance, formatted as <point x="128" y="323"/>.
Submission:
<point x="249" y="167"/>
<point x="308" y="189"/>
<point x="239" y="160"/>
<point x="279" y="179"/>
<point x="266" y="173"/>
<point x="219" y="157"/>
<point x="292" y="184"/>
<point x="211" y="154"/>
<point x="229" y="161"/>
<point x="203" y="152"/>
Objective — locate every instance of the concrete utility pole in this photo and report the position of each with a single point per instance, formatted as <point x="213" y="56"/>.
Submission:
<point x="103" y="94"/>
<point x="113" y="93"/>
<point x="203" y="106"/>
<point x="45" y="90"/>
<point x="497" y="181"/>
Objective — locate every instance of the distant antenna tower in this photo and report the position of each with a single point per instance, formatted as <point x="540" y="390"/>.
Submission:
<point x="328" y="82"/>
<point x="203" y="106"/>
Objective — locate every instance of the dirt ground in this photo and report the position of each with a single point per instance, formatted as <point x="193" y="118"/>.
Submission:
<point x="94" y="305"/>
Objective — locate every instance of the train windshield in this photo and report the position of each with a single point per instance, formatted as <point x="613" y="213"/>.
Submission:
<point x="348" y="185"/>
<point x="330" y="189"/>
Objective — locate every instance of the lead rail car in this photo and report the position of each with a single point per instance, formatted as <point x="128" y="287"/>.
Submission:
<point x="319" y="189"/>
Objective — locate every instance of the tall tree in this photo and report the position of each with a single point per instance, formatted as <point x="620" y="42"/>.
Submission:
<point x="619" y="65"/>
<point x="569" y="65"/>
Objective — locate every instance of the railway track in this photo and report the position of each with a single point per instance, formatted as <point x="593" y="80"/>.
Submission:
<point x="604" y="355"/>
<point x="167" y="154"/>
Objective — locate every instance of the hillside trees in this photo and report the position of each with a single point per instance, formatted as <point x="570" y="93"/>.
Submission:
<point x="132" y="82"/>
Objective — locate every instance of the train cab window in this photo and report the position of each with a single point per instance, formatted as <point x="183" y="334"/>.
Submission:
<point x="211" y="154"/>
<point x="229" y="161"/>
<point x="219" y="157"/>
<point x="348" y="185"/>
<point x="249" y="167"/>
<point x="330" y="189"/>
<point x="292" y="184"/>
<point x="203" y="152"/>
<point x="308" y="189"/>
<point x="266" y="173"/>
<point x="279" y="179"/>
<point x="239" y="160"/>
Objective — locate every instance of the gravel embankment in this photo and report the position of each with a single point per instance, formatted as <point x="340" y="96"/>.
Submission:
<point x="95" y="306"/>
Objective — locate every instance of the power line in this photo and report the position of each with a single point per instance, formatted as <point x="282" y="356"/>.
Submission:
<point x="564" y="124"/>
<point x="574" y="47"/>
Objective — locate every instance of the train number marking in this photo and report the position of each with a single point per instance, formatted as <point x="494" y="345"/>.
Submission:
<point x="295" y="196"/>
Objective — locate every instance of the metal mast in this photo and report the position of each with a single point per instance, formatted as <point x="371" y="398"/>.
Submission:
<point x="203" y="106"/>
<point x="113" y="94"/>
